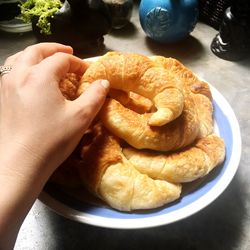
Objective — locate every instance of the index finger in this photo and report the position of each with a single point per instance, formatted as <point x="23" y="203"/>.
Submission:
<point x="57" y="65"/>
<point x="34" y="54"/>
<point x="11" y="59"/>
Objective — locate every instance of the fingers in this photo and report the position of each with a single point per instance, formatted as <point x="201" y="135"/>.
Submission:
<point x="33" y="55"/>
<point x="57" y="65"/>
<point x="88" y="104"/>
<point x="11" y="59"/>
<point x="36" y="53"/>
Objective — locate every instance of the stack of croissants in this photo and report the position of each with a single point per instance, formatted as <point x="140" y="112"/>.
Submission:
<point x="153" y="134"/>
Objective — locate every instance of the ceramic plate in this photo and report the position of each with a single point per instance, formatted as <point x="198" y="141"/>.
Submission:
<point x="196" y="196"/>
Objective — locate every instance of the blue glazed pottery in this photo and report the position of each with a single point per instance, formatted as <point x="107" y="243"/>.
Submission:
<point x="168" y="21"/>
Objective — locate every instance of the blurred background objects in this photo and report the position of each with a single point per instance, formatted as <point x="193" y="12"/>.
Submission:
<point x="9" y="11"/>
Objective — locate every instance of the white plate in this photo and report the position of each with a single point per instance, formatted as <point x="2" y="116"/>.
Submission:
<point x="196" y="197"/>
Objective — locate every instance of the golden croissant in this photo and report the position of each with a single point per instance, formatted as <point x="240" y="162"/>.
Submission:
<point x="109" y="175"/>
<point x="197" y="88"/>
<point x="139" y="74"/>
<point x="185" y="165"/>
<point x="182" y="146"/>
<point x="134" y="129"/>
<point x="195" y="121"/>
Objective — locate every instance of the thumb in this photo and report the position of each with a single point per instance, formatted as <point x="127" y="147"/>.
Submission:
<point x="88" y="104"/>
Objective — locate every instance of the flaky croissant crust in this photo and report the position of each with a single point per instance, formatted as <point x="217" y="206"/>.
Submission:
<point x="139" y="74"/>
<point x="182" y="150"/>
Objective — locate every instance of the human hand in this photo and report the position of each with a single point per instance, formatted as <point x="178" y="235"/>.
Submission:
<point x="39" y="128"/>
<point x="35" y="118"/>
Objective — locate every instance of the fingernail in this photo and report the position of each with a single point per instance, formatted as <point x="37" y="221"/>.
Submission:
<point x="105" y="84"/>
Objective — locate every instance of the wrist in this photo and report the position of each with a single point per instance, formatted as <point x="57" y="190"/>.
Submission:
<point x="22" y="176"/>
<point x="22" y="164"/>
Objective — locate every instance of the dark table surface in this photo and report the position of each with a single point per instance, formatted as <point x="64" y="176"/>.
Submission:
<point x="224" y="224"/>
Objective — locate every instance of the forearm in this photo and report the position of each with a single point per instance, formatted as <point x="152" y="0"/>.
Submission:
<point x="22" y="177"/>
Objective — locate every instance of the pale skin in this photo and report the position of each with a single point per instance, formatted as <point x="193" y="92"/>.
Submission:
<point x="39" y="128"/>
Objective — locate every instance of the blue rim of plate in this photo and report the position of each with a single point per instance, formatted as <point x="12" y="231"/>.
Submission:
<point x="226" y="126"/>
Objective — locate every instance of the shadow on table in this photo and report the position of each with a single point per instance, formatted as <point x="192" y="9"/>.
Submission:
<point x="129" y="30"/>
<point x="184" y="50"/>
<point x="219" y="226"/>
<point x="11" y="43"/>
<point x="245" y="63"/>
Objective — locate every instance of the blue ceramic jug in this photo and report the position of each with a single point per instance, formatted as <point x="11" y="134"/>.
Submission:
<point x="168" y="20"/>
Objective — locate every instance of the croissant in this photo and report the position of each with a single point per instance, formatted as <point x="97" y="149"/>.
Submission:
<point x="204" y="110"/>
<point x="130" y="100"/>
<point x="69" y="85"/>
<point x="198" y="89"/>
<point x="108" y="174"/>
<point x="185" y="165"/>
<point x="124" y="177"/>
<point x="134" y="129"/>
<point x="183" y="74"/>
<point x="139" y="74"/>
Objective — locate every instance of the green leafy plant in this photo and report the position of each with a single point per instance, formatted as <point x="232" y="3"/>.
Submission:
<point x="42" y="10"/>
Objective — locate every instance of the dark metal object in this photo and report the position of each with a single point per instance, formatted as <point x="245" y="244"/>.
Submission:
<point x="211" y="12"/>
<point x="233" y="41"/>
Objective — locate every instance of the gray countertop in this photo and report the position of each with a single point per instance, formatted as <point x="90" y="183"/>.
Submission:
<point x="224" y="224"/>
